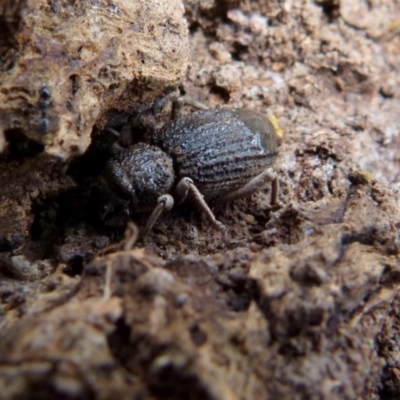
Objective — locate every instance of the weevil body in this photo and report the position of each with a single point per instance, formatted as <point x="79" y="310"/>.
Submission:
<point x="209" y="155"/>
<point x="221" y="150"/>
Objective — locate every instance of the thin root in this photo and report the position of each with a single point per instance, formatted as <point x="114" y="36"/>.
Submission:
<point x="126" y="244"/>
<point x="131" y="236"/>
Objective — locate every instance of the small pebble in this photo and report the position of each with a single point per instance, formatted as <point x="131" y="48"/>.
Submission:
<point x="250" y="219"/>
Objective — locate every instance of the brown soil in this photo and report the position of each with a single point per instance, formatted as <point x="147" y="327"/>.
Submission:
<point x="302" y="302"/>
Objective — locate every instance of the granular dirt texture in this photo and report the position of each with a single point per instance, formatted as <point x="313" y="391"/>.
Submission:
<point x="301" y="301"/>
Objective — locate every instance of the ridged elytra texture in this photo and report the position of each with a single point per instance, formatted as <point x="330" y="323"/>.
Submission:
<point x="220" y="149"/>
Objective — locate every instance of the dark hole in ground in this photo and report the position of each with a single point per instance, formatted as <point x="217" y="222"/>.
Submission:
<point x="194" y="27"/>
<point x="223" y="93"/>
<point x="174" y="382"/>
<point x="7" y="244"/>
<point x="331" y="8"/>
<point x="19" y="146"/>
<point x="85" y="168"/>
<point x="75" y="266"/>
<point x="241" y="291"/>
<point x="240" y="52"/>
<point x="46" y="221"/>
<point x="389" y="389"/>
<point x="71" y="214"/>
<point x="119" y="342"/>
<point x="75" y="84"/>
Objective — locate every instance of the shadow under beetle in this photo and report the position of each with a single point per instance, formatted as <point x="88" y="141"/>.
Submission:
<point x="210" y="155"/>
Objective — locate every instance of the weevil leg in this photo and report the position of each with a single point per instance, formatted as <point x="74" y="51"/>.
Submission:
<point x="161" y="101"/>
<point x="186" y="186"/>
<point x="164" y="203"/>
<point x="267" y="176"/>
<point x="181" y="101"/>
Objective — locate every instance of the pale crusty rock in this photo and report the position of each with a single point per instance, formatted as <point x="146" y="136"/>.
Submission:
<point x="91" y="57"/>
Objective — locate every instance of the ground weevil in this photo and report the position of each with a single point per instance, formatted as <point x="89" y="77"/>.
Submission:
<point x="210" y="155"/>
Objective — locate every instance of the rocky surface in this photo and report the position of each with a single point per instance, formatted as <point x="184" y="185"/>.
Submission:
<point x="301" y="302"/>
<point x="65" y="63"/>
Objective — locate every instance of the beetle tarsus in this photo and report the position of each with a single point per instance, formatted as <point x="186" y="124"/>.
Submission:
<point x="164" y="203"/>
<point x="266" y="176"/>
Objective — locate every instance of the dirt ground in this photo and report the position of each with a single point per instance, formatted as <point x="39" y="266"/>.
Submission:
<point x="302" y="301"/>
